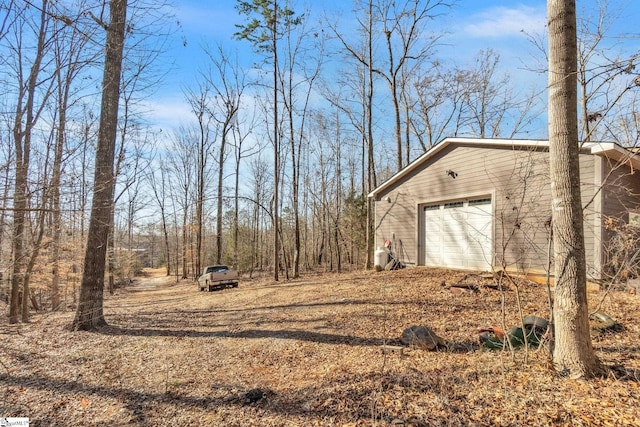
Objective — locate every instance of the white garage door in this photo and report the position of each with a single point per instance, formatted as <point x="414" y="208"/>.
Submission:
<point x="458" y="234"/>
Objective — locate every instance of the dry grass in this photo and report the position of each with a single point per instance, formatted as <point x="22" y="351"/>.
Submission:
<point x="305" y="353"/>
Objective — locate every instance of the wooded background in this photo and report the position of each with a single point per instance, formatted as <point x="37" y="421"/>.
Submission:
<point x="275" y="166"/>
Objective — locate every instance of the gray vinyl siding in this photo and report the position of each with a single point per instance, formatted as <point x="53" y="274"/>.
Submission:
<point x="621" y="194"/>
<point x="622" y="191"/>
<point x="398" y="209"/>
<point x="522" y="210"/>
<point x="519" y="235"/>
<point x="591" y="181"/>
<point x="517" y="182"/>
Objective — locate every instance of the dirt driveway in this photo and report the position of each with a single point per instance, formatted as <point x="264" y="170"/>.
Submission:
<point x="308" y="352"/>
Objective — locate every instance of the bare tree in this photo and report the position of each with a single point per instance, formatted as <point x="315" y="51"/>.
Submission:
<point x="440" y="96"/>
<point x="131" y="163"/>
<point x="72" y="55"/>
<point x="199" y="101"/>
<point x="89" y="314"/>
<point x="160" y="190"/>
<point x="241" y="131"/>
<point x="299" y="74"/>
<point x="606" y="73"/>
<point x="5" y="167"/>
<point x="182" y="169"/>
<point x="8" y="17"/>
<point x="363" y="56"/>
<point x="228" y="83"/>
<point x="573" y="353"/>
<point x="27" y="113"/>
<point x="490" y="107"/>
<point x="403" y="25"/>
<point x="264" y="35"/>
<point x="259" y="172"/>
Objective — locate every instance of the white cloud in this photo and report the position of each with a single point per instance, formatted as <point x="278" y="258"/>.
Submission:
<point x="169" y="113"/>
<point x="506" y="22"/>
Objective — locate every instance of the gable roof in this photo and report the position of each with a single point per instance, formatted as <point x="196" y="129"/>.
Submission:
<point x="607" y="149"/>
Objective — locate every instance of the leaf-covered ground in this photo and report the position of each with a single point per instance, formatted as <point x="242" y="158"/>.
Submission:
<point x="309" y="352"/>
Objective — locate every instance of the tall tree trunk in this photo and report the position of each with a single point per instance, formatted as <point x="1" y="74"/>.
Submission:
<point x="223" y="147"/>
<point x="167" y="252"/>
<point x="55" y="198"/>
<point x="111" y="251"/>
<point x="89" y="314"/>
<point x="185" y="243"/>
<point x="338" y="196"/>
<point x="407" y="121"/>
<point x="393" y="87"/>
<point x="202" y="153"/>
<point x="260" y="31"/>
<point x="295" y="185"/>
<point x="22" y="140"/>
<point x="69" y="59"/>
<point x="371" y="169"/>
<point x="573" y="353"/>
<point x="276" y="149"/>
<point x="5" y="199"/>
<point x="177" y="247"/>
<point x="256" y="239"/>
<point x="160" y="195"/>
<point x="37" y="244"/>
<point x="19" y="205"/>
<point x="236" y="206"/>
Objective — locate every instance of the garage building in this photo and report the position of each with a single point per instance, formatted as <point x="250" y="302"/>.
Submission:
<point x="485" y="204"/>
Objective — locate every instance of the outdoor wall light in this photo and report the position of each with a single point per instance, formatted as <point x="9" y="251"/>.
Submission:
<point x="388" y="199"/>
<point x="451" y="173"/>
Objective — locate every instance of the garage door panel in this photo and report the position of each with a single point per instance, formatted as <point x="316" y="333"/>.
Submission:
<point x="434" y="231"/>
<point x="479" y="222"/>
<point x="478" y="258"/>
<point x="454" y="247"/>
<point x="451" y="238"/>
<point x="459" y="234"/>
<point x="454" y="257"/>
<point x="479" y="235"/>
<point x="433" y="235"/>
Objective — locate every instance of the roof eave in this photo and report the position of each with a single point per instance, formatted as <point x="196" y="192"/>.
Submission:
<point x="608" y="149"/>
<point x="615" y="152"/>
<point x="450" y="141"/>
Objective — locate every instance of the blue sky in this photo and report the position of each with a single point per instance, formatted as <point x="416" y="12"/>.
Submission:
<point x="471" y="25"/>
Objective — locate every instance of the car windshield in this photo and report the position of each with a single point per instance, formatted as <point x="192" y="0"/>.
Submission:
<point x="216" y="268"/>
